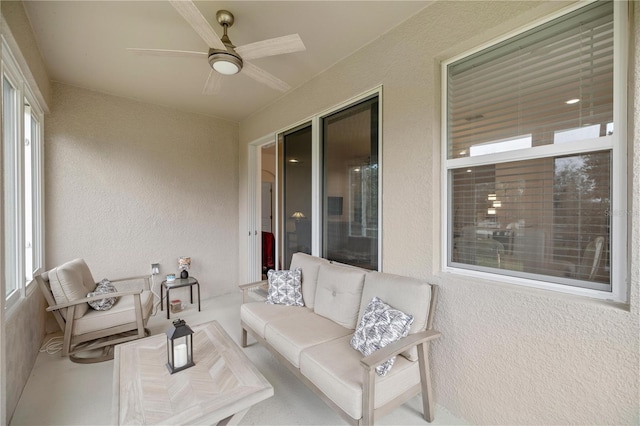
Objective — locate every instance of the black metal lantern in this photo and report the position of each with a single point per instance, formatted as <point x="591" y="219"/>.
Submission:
<point x="179" y="346"/>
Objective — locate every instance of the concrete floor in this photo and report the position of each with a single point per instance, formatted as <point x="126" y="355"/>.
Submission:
<point x="60" y="392"/>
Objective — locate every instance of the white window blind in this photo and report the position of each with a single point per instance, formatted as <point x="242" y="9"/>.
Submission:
<point x="530" y="151"/>
<point x="546" y="216"/>
<point x="520" y="87"/>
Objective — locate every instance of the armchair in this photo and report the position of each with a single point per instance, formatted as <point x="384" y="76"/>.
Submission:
<point x="65" y="289"/>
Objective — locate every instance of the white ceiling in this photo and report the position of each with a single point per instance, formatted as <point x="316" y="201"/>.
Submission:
<point x="83" y="43"/>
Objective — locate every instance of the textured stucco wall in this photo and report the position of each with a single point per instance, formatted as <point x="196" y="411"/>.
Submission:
<point x="509" y="355"/>
<point x="129" y="183"/>
<point x="24" y="333"/>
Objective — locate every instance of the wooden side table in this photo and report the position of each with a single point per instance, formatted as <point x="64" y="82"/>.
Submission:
<point x="179" y="282"/>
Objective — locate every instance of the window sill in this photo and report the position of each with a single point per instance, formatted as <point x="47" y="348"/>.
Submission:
<point x="15" y="306"/>
<point x="537" y="287"/>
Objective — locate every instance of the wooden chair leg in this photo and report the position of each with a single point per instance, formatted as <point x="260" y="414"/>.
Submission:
<point x="425" y="382"/>
<point x="68" y="331"/>
<point x="139" y="315"/>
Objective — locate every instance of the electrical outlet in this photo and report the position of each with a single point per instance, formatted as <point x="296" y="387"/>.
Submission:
<point x="155" y="268"/>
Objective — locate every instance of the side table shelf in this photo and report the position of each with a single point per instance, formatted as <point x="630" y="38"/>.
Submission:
<point x="179" y="282"/>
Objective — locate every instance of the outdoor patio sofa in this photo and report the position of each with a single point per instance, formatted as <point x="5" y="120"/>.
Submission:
<point x="315" y="340"/>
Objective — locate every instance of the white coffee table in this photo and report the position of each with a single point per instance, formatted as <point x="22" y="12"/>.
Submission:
<point x="219" y="389"/>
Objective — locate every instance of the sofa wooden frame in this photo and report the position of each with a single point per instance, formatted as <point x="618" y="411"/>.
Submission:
<point x="420" y="340"/>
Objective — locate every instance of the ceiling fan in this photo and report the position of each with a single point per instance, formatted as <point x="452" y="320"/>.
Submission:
<point x="225" y="58"/>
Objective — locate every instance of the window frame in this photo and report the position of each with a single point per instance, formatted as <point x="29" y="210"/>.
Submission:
<point x="617" y="143"/>
<point x="14" y="173"/>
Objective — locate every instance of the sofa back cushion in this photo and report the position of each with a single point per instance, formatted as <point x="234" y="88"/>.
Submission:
<point x="310" y="266"/>
<point x="339" y="294"/>
<point x="72" y="281"/>
<point x="409" y="295"/>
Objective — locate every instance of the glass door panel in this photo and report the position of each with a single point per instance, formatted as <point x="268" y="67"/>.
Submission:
<point x="294" y="188"/>
<point x="350" y="191"/>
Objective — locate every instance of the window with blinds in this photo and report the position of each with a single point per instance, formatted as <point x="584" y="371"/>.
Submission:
<point x="530" y="146"/>
<point x="539" y="88"/>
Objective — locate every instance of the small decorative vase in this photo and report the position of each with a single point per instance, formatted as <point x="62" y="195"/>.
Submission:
<point x="184" y="274"/>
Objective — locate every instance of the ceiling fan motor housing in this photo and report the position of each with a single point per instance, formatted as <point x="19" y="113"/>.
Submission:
<point x="225" y="62"/>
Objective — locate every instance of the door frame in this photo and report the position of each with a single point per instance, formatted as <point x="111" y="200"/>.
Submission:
<point x="254" y="203"/>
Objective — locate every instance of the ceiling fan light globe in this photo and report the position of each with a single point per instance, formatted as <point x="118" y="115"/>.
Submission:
<point x="225" y="62"/>
<point x="226" y="68"/>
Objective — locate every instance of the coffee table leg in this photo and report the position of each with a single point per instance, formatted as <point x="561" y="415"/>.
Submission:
<point x="233" y="420"/>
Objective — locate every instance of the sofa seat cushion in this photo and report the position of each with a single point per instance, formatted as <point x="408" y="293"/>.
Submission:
<point x="339" y="293"/>
<point x="290" y="336"/>
<point x="122" y="312"/>
<point x="310" y="266"/>
<point x="258" y="314"/>
<point x="334" y="367"/>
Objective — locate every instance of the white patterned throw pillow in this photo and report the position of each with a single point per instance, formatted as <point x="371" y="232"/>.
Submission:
<point x="285" y="287"/>
<point x="103" y="287"/>
<point x="380" y="325"/>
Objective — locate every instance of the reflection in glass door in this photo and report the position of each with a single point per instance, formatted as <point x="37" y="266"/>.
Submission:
<point x="294" y="189"/>
<point x="350" y="191"/>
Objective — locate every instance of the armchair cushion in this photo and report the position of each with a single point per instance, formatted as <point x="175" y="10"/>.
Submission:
<point x="70" y="282"/>
<point x="104" y="287"/>
<point x="123" y="312"/>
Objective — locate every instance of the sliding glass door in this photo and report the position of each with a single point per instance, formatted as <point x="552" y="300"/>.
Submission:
<point x="350" y="170"/>
<point x="294" y="189"/>
<point x="328" y="186"/>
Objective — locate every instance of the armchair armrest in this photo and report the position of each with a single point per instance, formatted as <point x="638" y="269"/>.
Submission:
<point x="145" y="278"/>
<point x="395" y="348"/>
<point x="92" y="298"/>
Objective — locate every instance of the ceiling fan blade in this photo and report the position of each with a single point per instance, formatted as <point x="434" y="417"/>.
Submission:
<point x="165" y="52"/>
<point x="213" y="83"/>
<point x="262" y="76"/>
<point x="271" y="47"/>
<point x="192" y="15"/>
